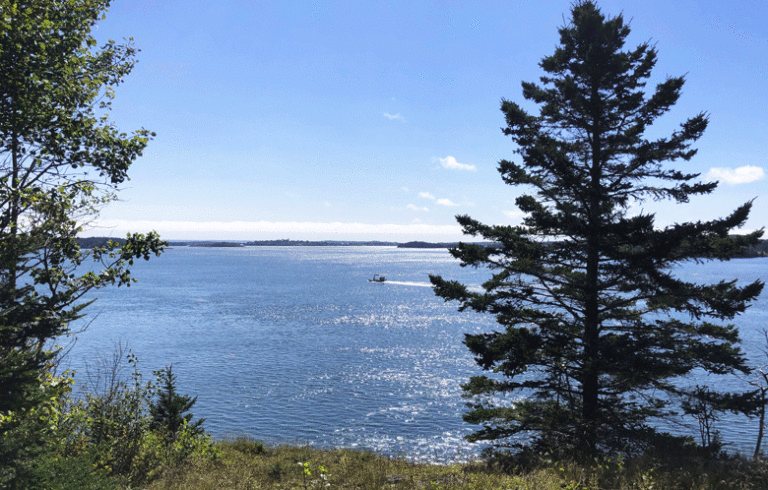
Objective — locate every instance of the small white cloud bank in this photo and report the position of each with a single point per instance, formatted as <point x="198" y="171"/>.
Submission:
<point x="413" y="207"/>
<point x="394" y="117"/>
<point x="450" y="163"/>
<point x="442" y="202"/>
<point x="740" y="175"/>
<point x="446" y="202"/>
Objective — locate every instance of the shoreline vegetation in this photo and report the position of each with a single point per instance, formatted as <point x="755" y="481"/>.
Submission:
<point x="756" y="251"/>
<point x="246" y="464"/>
<point x="131" y="433"/>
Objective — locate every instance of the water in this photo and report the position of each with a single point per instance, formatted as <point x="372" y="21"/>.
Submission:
<point x="293" y="344"/>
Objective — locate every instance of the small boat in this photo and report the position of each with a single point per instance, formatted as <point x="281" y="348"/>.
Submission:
<point x="377" y="278"/>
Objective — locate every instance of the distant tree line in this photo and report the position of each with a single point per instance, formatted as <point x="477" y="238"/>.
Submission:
<point x="428" y="245"/>
<point x="752" y="251"/>
<point x="98" y="241"/>
<point x="323" y="243"/>
<point x="759" y="250"/>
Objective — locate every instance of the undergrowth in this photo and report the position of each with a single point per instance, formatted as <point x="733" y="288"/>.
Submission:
<point x="245" y="464"/>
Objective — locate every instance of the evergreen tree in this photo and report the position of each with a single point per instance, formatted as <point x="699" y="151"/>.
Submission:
<point x="596" y="329"/>
<point x="60" y="160"/>
<point x="168" y="410"/>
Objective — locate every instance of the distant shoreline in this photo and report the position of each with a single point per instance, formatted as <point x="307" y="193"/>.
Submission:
<point x="760" y="250"/>
<point x="308" y="243"/>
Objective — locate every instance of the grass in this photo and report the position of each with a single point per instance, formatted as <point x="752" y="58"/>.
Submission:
<point x="245" y="465"/>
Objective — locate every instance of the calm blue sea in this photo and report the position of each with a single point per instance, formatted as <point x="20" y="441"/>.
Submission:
<point x="293" y="344"/>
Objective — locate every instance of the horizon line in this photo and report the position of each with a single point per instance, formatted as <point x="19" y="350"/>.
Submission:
<point x="284" y="229"/>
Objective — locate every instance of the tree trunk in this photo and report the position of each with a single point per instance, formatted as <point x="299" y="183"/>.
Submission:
<point x="762" y="418"/>
<point x="590" y="379"/>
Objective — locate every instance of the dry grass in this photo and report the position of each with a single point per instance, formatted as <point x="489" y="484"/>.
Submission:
<point x="248" y="465"/>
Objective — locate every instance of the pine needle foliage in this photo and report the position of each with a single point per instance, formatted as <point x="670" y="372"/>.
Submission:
<point x="596" y="329"/>
<point x="169" y="410"/>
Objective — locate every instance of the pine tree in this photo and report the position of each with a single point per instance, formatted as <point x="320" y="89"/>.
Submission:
<point x="168" y="412"/>
<point x="596" y="329"/>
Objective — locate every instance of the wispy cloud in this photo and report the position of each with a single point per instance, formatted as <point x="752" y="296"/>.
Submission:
<point x="416" y="208"/>
<point x="442" y="201"/>
<point x="394" y="117"/>
<point x="740" y="175"/>
<point x="451" y="163"/>
<point x="446" y="202"/>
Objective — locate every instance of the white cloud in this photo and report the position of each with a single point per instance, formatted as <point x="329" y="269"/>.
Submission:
<point x="516" y="217"/>
<point x="442" y="202"/>
<point x="514" y="214"/>
<point x="446" y="202"/>
<point x="416" y="208"/>
<point x="740" y="175"/>
<point x="252" y="229"/>
<point x="395" y="117"/>
<point x="451" y="163"/>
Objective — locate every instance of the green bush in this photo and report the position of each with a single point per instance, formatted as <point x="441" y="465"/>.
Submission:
<point x="107" y="436"/>
<point x="247" y="446"/>
<point x="53" y="472"/>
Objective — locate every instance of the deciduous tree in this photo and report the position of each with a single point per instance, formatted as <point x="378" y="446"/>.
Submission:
<point x="61" y="159"/>
<point x="596" y="329"/>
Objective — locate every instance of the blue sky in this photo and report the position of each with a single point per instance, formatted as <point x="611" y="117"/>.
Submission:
<point x="354" y="120"/>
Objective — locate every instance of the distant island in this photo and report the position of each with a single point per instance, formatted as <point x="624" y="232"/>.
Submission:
<point x="308" y="243"/>
<point x="759" y="250"/>
<point x="98" y="241"/>
<point x="208" y="244"/>
<point x="428" y="245"/>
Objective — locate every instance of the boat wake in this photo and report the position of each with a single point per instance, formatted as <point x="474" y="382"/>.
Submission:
<point x="410" y="283"/>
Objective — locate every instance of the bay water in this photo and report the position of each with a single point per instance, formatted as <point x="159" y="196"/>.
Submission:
<point x="295" y="345"/>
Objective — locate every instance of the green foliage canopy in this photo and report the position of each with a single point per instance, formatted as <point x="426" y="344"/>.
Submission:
<point x="595" y="326"/>
<point x="61" y="160"/>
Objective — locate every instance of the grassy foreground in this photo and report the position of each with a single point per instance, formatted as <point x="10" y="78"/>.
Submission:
<point x="245" y="464"/>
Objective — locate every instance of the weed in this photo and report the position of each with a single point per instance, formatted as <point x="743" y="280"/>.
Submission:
<point x="276" y="471"/>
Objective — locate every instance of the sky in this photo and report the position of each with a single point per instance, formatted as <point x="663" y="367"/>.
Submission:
<point x="350" y="120"/>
